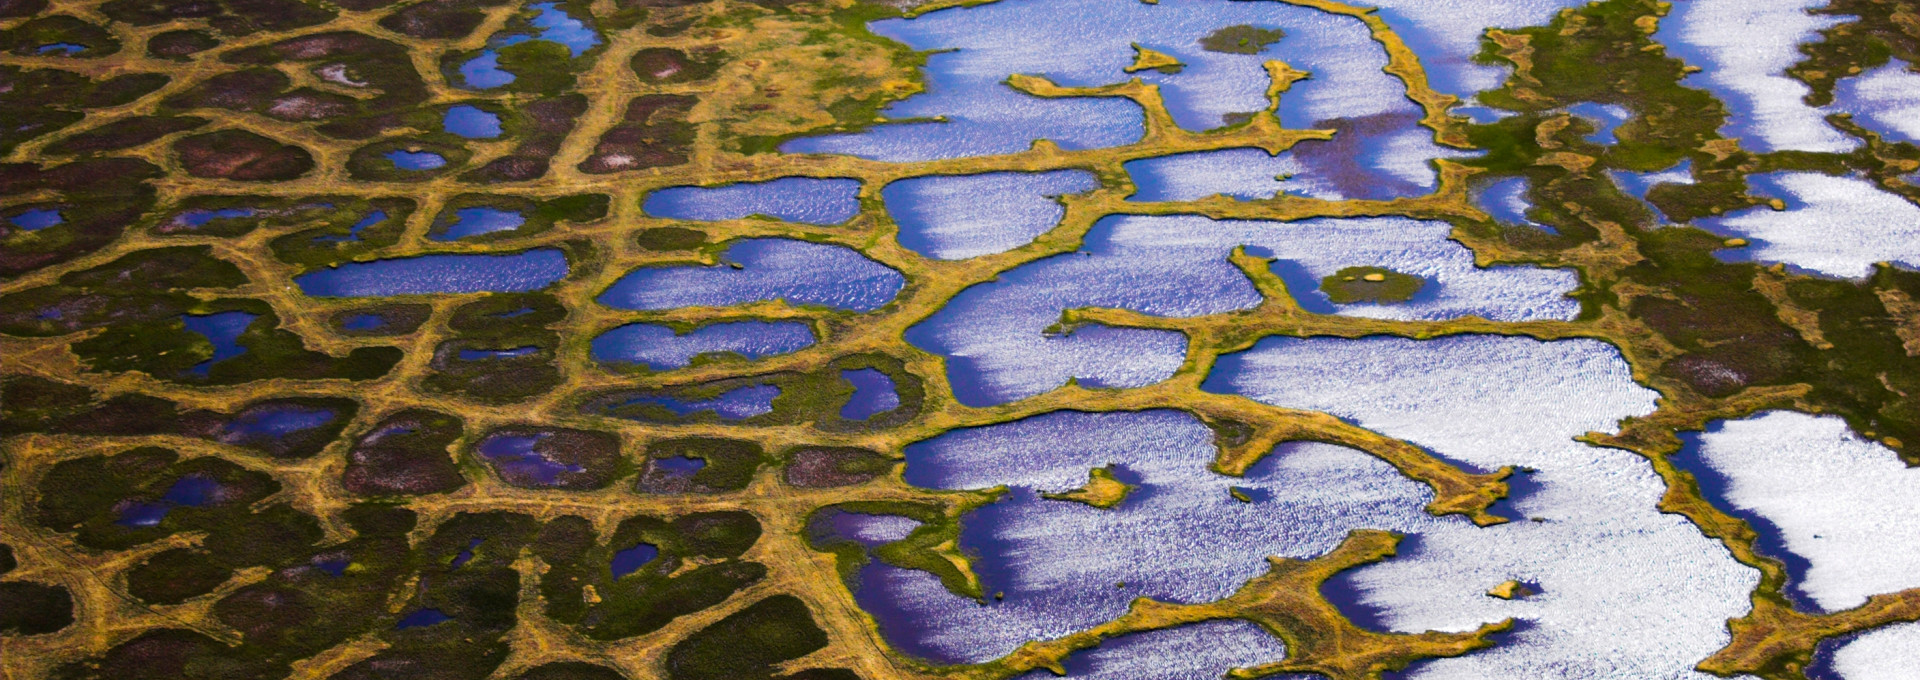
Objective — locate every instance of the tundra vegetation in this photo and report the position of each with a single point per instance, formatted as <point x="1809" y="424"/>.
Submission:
<point x="209" y="471"/>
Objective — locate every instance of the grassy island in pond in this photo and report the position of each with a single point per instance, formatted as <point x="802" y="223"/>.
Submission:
<point x="1370" y="284"/>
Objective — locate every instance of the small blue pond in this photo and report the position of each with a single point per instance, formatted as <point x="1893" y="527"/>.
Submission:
<point x="422" y="619"/>
<point x="37" y="219"/>
<point x="483" y="72"/>
<point x="632" y="559"/>
<point x="466" y="554"/>
<point x="794" y="199"/>
<point x="661" y="348"/>
<point x="64" y="49"/>
<point x="353" y="233"/>
<point x="745" y="402"/>
<point x="1605" y="118"/>
<point x="468" y="222"/>
<point x="335" y="567"/>
<point x="364" y="322"/>
<point x="223" y="331"/>
<point x="416" y="160"/>
<point x="200" y="218"/>
<point x="428" y="274"/>
<point x="487" y="354"/>
<point x="873" y="394"/>
<point x="800" y="272"/>
<point x="1638" y="183"/>
<point x="518" y="457"/>
<point x="273" y="421"/>
<point x="834" y="524"/>
<point x="1506" y="201"/>
<point x="680" y="466"/>
<point x="191" y="491"/>
<point x="471" y="122"/>
<point x="557" y="26"/>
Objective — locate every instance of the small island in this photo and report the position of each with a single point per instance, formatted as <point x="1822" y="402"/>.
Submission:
<point x="1103" y="490"/>
<point x="1370" y="284"/>
<point x="1242" y="39"/>
<point x="1511" y="590"/>
<point x="1145" y="59"/>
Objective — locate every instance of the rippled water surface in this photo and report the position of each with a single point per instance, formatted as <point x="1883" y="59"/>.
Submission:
<point x="997" y="340"/>
<point x="1625" y="590"/>
<point x="524" y="271"/>
<point x="800" y="272"/>
<point x="956" y="217"/>
<point x="1832" y="226"/>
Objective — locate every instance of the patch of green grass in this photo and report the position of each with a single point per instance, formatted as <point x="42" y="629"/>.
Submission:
<point x="1241" y="39"/>
<point x="1370" y="284"/>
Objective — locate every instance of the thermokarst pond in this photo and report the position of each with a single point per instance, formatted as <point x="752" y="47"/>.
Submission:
<point x="939" y="340"/>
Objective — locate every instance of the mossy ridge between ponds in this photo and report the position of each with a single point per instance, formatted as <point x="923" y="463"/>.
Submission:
<point x="1598" y="248"/>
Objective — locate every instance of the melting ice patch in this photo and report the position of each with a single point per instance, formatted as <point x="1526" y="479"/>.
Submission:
<point x="1744" y="48"/>
<point x="1833" y="500"/>
<point x="1834" y="226"/>
<point x="994" y="334"/>
<point x="1625" y="591"/>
